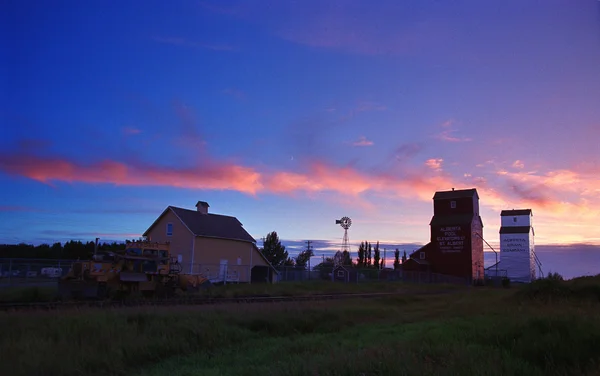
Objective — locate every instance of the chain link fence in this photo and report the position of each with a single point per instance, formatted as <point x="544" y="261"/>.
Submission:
<point x="46" y="272"/>
<point x="31" y="271"/>
<point x="350" y="274"/>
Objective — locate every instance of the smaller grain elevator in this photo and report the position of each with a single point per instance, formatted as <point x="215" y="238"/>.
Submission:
<point x="517" y="245"/>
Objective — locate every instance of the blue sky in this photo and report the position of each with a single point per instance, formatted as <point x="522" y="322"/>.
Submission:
<point x="289" y="115"/>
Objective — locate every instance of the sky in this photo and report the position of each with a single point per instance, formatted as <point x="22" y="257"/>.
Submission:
<point x="292" y="114"/>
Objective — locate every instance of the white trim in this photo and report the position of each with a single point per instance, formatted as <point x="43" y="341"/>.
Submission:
<point x="251" y="266"/>
<point x="193" y="254"/>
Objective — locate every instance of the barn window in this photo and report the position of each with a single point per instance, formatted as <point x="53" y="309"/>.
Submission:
<point x="340" y="273"/>
<point x="422" y="255"/>
<point x="453" y="204"/>
<point x="169" y="229"/>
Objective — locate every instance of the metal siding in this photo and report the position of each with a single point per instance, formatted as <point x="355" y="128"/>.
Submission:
<point x="516" y="256"/>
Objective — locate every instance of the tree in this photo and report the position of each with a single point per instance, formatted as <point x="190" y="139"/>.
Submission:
<point x="346" y="260"/>
<point x="369" y="253"/>
<point x="377" y="256"/>
<point x="361" y="255"/>
<point x="325" y="268"/>
<point x="396" y="259"/>
<point x="404" y="258"/>
<point x="274" y="252"/>
<point x="303" y="257"/>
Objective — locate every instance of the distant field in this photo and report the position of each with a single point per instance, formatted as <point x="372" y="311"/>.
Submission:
<point x="549" y="328"/>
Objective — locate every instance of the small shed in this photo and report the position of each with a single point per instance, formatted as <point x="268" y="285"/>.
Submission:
<point x="340" y="273"/>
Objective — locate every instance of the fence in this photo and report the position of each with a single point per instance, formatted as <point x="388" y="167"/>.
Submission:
<point x="31" y="271"/>
<point x="356" y="275"/>
<point x="43" y="272"/>
<point x="14" y="272"/>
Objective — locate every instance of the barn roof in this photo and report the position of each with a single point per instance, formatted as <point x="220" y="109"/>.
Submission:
<point x="209" y="225"/>
<point x="459" y="193"/>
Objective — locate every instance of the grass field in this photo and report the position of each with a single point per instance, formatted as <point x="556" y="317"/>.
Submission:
<point x="49" y="293"/>
<point x="548" y="328"/>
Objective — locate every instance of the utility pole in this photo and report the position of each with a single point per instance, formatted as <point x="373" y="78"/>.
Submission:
<point x="309" y="249"/>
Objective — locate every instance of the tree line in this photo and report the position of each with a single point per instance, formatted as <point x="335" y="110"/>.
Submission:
<point x="273" y="250"/>
<point x="70" y="250"/>
<point x="369" y="257"/>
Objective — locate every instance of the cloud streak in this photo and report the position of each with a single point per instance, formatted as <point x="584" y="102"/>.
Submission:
<point x="363" y="141"/>
<point x="447" y="134"/>
<point x="212" y="175"/>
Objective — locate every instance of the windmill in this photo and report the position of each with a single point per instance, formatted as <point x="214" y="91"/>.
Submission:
<point x="345" y="222"/>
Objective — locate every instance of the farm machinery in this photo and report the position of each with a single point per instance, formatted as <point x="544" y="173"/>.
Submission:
<point x="144" y="267"/>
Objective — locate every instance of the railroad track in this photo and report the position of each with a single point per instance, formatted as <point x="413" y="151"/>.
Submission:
<point x="192" y="301"/>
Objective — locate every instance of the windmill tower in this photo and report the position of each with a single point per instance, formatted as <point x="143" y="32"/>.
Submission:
<point x="345" y="222"/>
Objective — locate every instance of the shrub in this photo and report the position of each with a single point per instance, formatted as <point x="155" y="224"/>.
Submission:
<point x="505" y="282"/>
<point x="554" y="277"/>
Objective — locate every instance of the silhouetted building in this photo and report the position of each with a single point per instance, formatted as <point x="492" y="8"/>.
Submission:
<point x="456" y="243"/>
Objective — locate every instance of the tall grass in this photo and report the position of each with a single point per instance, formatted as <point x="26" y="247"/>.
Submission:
<point x="470" y="332"/>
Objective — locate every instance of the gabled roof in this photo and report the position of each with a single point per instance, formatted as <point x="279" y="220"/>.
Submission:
<point x="422" y="249"/>
<point x="513" y="212"/>
<point x="209" y="225"/>
<point x="459" y="193"/>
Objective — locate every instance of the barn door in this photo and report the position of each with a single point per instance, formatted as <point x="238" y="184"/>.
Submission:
<point x="223" y="270"/>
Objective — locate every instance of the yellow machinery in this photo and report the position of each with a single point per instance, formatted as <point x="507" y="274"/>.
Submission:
<point x="144" y="267"/>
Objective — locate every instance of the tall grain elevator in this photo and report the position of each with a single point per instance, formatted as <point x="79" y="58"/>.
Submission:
<point x="456" y="243"/>
<point x="517" y="245"/>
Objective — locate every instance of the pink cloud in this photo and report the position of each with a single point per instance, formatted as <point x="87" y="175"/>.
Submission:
<point x="434" y="163"/>
<point x="518" y="164"/>
<point x="220" y="176"/>
<point x="316" y="177"/>
<point x="363" y="141"/>
<point x="555" y="194"/>
<point x="447" y="134"/>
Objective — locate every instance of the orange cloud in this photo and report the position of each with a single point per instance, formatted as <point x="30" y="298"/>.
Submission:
<point x="208" y="176"/>
<point x="518" y="164"/>
<point x="317" y="177"/>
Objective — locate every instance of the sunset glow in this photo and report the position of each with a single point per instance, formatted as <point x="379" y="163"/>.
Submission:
<point x="289" y="115"/>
